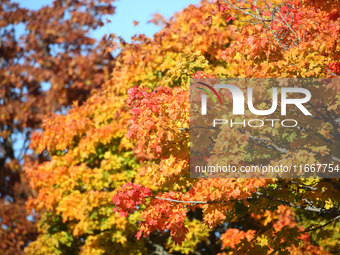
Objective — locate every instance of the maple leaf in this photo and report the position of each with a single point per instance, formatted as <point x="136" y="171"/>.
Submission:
<point x="129" y="197"/>
<point x="135" y="23"/>
<point x="253" y="7"/>
<point x="209" y="20"/>
<point x="229" y="18"/>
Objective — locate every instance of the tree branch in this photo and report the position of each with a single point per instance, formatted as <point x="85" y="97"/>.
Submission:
<point x="329" y="222"/>
<point x="310" y="207"/>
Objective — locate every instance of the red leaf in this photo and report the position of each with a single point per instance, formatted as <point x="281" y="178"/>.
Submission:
<point x="129" y="197"/>
<point x="284" y="8"/>
<point x="253" y="7"/>
<point x="229" y="17"/>
<point x="136" y="111"/>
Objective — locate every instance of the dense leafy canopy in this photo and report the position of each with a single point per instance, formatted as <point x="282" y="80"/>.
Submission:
<point x="41" y="48"/>
<point x="129" y="143"/>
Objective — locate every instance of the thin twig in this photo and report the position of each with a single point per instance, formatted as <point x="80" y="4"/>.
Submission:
<point x="329" y="222"/>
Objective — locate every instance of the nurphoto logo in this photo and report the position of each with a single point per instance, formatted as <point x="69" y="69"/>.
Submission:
<point x="238" y="99"/>
<point x="249" y="127"/>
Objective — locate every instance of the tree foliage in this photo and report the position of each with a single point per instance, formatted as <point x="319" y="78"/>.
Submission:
<point x="130" y="142"/>
<point x="40" y="48"/>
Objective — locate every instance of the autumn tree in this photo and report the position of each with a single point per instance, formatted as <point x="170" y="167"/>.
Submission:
<point x="49" y="47"/>
<point x="131" y="142"/>
<point x="91" y="157"/>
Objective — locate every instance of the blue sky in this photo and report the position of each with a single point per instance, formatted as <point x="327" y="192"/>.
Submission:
<point x="126" y="12"/>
